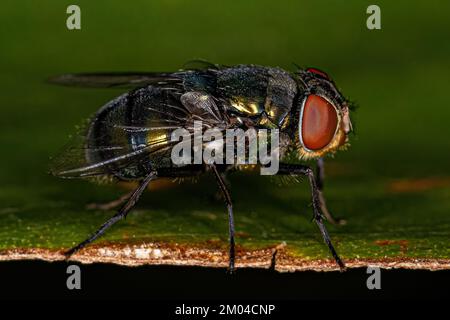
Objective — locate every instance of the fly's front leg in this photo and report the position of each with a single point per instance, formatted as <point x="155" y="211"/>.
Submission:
<point x="320" y="177"/>
<point x="294" y="169"/>
<point x="227" y="197"/>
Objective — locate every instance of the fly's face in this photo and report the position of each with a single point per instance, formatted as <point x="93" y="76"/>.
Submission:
<point x="323" y="116"/>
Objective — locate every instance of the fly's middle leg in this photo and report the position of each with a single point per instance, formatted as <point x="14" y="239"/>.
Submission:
<point x="227" y="197"/>
<point x="218" y="195"/>
<point x="297" y="169"/>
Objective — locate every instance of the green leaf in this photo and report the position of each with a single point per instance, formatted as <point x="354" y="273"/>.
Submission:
<point x="387" y="224"/>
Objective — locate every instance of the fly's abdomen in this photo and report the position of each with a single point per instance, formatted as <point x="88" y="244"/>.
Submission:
<point x="131" y="134"/>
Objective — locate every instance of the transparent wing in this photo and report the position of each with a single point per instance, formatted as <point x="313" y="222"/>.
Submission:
<point x="132" y="79"/>
<point x="133" y="131"/>
<point x="123" y="134"/>
<point x="80" y="160"/>
<point x="116" y="79"/>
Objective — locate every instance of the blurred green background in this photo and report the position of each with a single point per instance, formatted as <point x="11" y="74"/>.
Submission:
<point x="392" y="184"/>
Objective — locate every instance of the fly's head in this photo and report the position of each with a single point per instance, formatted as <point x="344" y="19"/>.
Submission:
<point x="322" y="114"/>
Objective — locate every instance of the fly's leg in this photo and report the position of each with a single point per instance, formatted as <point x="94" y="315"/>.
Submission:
<point x="118" y="216"/>
<point x="225" y="177"/>
<point x="297" y="169"/>
<point x="320" y="176"/>
<point x="218" y="195"/>
<point x="227" y="197"/>
<point x="110" y="205"/>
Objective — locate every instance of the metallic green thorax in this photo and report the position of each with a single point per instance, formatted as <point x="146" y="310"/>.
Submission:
<point x="262" y="92"/>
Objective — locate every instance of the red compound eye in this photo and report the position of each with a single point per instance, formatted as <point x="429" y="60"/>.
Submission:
<point x="318" y="122"/>
<point x="319" y="72"/>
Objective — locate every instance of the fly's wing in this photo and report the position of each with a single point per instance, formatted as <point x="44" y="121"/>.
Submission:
<point x="123" y="134"/>
<point x="78" y="159"/>
<point x="117" y="79"/>
<point x="133" y="131"/>
<point x="135" y="79"/>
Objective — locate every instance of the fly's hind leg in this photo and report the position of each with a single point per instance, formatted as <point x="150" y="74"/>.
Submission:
<point x="111" y="204"/>
<point x="296" y="169"/>
<point x="131" y="202"/>
<point x="320" y="177"/>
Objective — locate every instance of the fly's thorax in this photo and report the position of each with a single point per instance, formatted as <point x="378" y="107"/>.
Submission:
<point x="254" y="91"/>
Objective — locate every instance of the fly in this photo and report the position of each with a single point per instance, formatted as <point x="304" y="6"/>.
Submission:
<point x="129" y="137"/>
